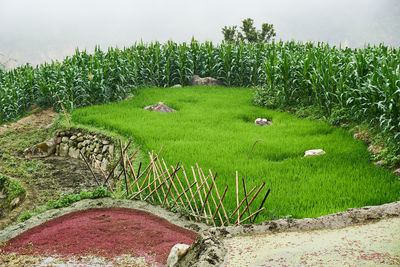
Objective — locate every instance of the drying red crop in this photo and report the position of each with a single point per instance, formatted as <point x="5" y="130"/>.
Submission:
<point x="106" y="232"/>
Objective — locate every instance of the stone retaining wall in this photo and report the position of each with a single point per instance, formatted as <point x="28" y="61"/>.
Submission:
<point x="98" y="150"/>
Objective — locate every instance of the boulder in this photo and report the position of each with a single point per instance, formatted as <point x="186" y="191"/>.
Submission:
<point x="15" y="202"/>
<point x="176" y="86"/>
<point x="197" y="80"/>
<point x="397" y="171"/>
<point x="262" y="122"/>
<point x="160" y="107"/>
<point x="43" y="149"/>
<point x="206" y="250"/>
<point x="363" y="135"/>
<point x="64" y="150"/>
<point x="374" y="149"/>
<point x="104" y="164"/>
<point x="177" y="252"/>
<point x="379" y="163"/>
<point x="73" y="152"/>
<point x="314" y="152"/>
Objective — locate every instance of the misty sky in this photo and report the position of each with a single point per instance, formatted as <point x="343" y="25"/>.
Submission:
<point x="38" y="30"/>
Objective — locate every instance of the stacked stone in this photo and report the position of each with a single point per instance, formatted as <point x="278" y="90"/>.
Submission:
<point x="93" y="147"/>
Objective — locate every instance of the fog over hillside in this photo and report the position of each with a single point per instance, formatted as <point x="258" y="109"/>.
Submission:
<point x="40" y="30"/>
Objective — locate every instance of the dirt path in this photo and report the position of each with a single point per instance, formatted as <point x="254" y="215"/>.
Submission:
<point x="371" y="244"/>
<point x="43" y="178"/>
<point x="40" y="119"/>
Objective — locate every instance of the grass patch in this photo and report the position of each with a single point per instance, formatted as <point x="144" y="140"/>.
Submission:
<point x="11" y="188"/>
<point x="65" y="201"/>
<point x="214" y="127"/>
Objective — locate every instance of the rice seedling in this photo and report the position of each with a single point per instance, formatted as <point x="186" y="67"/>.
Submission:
<point x="214" y="127"/>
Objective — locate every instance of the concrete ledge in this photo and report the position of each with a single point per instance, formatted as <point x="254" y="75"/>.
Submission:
<point x="331" y="221"/>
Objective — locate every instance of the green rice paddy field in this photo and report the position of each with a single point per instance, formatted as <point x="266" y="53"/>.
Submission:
<point x="214" y="126"/>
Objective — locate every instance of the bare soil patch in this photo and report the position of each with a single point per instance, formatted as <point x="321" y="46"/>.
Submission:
<point x="40" y="119"/>
<point x="45" y="178"/>
<point x="104" y="232"/>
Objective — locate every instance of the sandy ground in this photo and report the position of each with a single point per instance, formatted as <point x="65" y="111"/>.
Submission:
<point x="374" y="244"/>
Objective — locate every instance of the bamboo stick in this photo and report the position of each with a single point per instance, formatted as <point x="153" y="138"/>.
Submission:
<point x="116" y="164"/>
<point x="156" y="177"/>
<point x="159" y="173"/>
<point x="212" y="185"/>
<point x="104" y="174"/>
<point x="262" y="203"/>
<point x="204" y="191"/>
<point x="220" y="203"/>
<point x="148" y="166"/>
<point x="181" y="194"/>
<point x="241" y="203"/>
<point x="191" y="193"/>
<point x="63" y="109"/>
<point x="124" y="166"/>
<point x="248" y="217"/>
<point x="163" y="182"/>
<point x="251" y="201"/>
<point x="245" y="196"/>
<point x="237" y="194"/>
<point x="140" y="192"/>
<point x="134" y="177"/>
<point x="206" y="199"/>
<point x="173" y="184"/>
<point x="180" y="184"/>
<point x="166" y="174"/>
<point x="172" y="181"/>
<point x="87" y="164"/>
<point x="148" y="180"/>
<point x="219" y="198"/>
<point x="198" y="189"/>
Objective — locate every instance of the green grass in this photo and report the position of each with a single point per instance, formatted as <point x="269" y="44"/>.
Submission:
<point x="214" y="127"/>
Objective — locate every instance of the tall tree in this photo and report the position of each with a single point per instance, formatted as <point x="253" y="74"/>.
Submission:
<point x="249" y="32"/>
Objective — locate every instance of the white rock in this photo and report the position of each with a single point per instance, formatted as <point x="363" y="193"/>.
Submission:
<point x="177" y="252"/>
<point x="262" y="122"/>
<point x="314" y="152"/>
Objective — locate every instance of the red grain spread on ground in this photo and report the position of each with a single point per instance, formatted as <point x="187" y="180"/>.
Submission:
<point x="105" y="232"/>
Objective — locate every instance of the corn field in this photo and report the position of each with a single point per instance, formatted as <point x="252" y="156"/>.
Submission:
<point x="363" y="82"/>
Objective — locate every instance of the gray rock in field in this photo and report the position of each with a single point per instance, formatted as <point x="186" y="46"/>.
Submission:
<point x="64" y="150"/>
<point x="314" y="152"/>
<point x="197" y="80"/>
<point x="43" y="149"/>
<point x="207" y="250"/>
<point x="397" y="171"/>
<point x="375" y="149"/>
<point x="73" y="153"/>
<point x="176" y="86"/>
<point x="262" y="122"/>
<point x="379" y="163"/>
<point x="177" y="252"/>
<point x="160" y="107"/>
<point x="15" y="202"/>
<point x="104" y="164"/>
